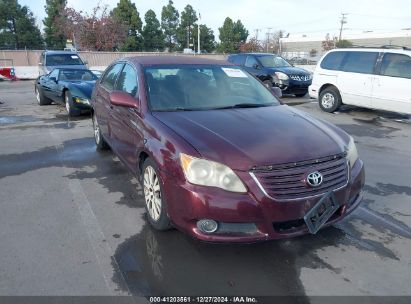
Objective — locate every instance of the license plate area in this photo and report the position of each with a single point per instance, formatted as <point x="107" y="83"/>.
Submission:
<point x="317" y="216"/>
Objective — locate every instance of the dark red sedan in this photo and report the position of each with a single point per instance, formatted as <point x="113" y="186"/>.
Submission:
<point x="218" y="156"/>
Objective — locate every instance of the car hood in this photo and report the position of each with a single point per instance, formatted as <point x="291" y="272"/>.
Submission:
<point x="248" y="138"/>
<point x="82" y="89"/>
<point x="290" y="71"/>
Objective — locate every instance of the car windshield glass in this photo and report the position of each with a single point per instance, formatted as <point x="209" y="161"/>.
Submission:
<point x="63" y="59"/>
<point x="188" y="87"/>
<point x="76" y="75"/>
<point x="273" y="62"/>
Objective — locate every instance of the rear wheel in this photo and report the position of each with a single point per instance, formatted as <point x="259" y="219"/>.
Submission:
<point x="68" y="100"/>
<point x="153" y="196"/>
<point x="41" y="99"/>
<point x="330" y="99"/>
<point x="101" y="144"/>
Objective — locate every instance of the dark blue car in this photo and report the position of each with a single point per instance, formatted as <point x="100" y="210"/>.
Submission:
<point x="70" y="87"/>
<point x="274" y="70"/>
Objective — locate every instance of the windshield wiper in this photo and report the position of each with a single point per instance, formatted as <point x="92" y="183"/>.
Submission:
<point x="245" y="105"/>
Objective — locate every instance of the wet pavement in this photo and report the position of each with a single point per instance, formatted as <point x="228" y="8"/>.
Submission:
<point x="72" y="219"/>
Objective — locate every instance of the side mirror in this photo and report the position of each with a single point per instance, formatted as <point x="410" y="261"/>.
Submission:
<point x="53" y="79"/>
<point x="123" y="99"/>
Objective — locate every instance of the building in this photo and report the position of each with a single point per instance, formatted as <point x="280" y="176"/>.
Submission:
<point x="311" y="46"/>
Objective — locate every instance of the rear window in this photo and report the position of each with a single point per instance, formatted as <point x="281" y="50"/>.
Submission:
<point x="333" y="61"/>
<point x="396" y="65"/>
<point x="63" y="59"/>
<point x="360" y="62"/>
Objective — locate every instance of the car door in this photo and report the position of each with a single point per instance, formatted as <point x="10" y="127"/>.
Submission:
<point x="392" y="85"/>
<point x="101" y="104"/>
<point x="48" y="84"/>
<point x="254" y="67"/>
<point x="355" y="81"/>
<point x="126" y="123"/>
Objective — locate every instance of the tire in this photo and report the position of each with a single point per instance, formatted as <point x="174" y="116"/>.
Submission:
<point x="101" y="144"/>
<point x="330" y="100"/>
<point x="41" y="99"/>
<point x="68" y="100"/>
<point x="153" y="197"/>
<point x="300" y="95"/>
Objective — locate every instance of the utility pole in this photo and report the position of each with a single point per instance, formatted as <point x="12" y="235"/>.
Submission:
<point x="188" y="37"/>
<point x="198" y="31"/>
<point x="343" y="21"/>
<point x="268" y="36"/>
<point x="256" y="33"/>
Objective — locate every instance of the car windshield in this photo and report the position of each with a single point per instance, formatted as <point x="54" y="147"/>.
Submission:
<point x="273" y="61"/>
<point x="188" y="87"/>
<point x="63" y="59"/>
<point x="77" y="75"/>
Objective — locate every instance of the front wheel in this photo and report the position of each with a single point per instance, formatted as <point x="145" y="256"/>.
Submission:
<point x="153" y="196"/>
<point x="68" y="100"/>
<point x="101" y="144"/>
<point x="330" y="100"/>
<point x="41" y="99"/>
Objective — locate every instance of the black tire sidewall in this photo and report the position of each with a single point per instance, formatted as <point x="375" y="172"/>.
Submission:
<point x="101" y="145"/>
<point x="163" y="223"/>
<point x="43" y="100"/>
<point x="337" y="99"/>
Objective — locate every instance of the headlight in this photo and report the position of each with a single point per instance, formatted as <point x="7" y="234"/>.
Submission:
<point x="203" y="172"/>
<point x="281" y="76"/>
<point x="81" y="100"/>
<point x="352" y="154"/>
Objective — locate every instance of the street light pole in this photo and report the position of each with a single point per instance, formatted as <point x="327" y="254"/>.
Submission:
<point x="198" y="32"/>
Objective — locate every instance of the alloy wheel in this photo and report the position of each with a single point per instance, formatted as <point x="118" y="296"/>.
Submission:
<point x="328" y="100"/>
<point x="96" y="130"/>
<point x="67" y="103"/>
<point x="37" y="95"/>
<point x="152" y="193"/>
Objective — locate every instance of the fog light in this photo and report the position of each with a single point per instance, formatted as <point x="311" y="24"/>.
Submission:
<point x="207" y="226"/>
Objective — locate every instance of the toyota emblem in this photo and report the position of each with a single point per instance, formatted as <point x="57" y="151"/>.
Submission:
<point x="315" y="179"/>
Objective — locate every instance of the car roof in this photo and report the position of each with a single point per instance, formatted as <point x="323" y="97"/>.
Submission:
<point x="255" y="54"/>
<point x="60" y="53"/>
<point x="377" y="50"/>
<point x="176" y="59"/>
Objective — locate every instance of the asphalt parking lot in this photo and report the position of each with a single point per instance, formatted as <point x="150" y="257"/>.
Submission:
<point x="72" y="219"/>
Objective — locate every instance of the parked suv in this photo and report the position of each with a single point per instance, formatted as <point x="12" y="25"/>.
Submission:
<point x="274" y="70"/>
<point x="50" y="60"/>
<point x="218" y="156"/>
<point x="365" y="77"/>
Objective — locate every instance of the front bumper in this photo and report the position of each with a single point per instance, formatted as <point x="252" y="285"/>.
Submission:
<point x="271" y="219"/>
<point x="81" y="104"/>
<point x="293" y="87"/>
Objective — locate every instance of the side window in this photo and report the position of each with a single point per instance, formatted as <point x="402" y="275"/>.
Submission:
<point x="250" y="61"/>
<point x="333" y="61"/>
<point x="237" y="59"/>
<point x="110" y="77"/>
<point x="54" y="73"/>
<point x="127" y="81"/>
<point x="360" y="62"/>
<point x="396" y="65"/>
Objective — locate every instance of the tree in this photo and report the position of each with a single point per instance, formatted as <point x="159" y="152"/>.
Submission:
<point x="54" y="38"/>
<point x="186" y="27"/>
<point x="98" y="31"/>
<point x="17" y="27"/>
<point x="126" y="14"/>
<point x="207" y="39"/>
<point x="153" y="36"/>
<point x="232" y="36"/>
<point x="169" y="23"/>
<point x="344" y="44"/>
<point x="328" y="43"/>
<point x="253" y="45"/>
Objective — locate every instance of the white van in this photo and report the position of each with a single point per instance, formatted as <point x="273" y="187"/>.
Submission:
<point x="365" y="77"/>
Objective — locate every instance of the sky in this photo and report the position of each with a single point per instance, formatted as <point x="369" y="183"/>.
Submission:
<point x="311" y="17"/>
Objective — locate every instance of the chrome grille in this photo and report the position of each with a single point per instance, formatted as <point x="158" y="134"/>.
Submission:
<point x="288" y="181"/>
